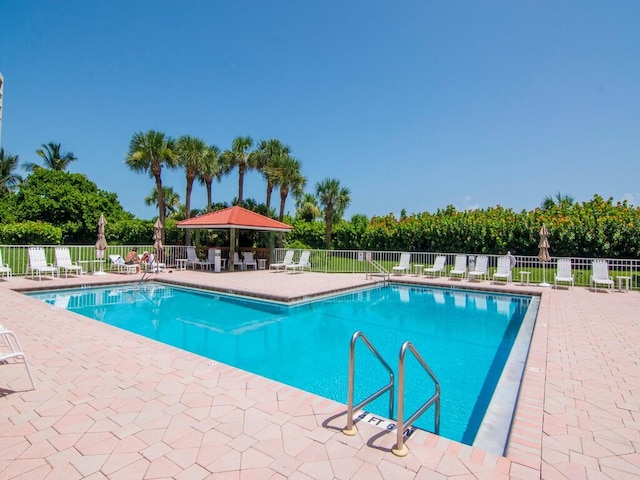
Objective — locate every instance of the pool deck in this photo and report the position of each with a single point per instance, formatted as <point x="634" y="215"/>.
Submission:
<point x="112" y="404"/>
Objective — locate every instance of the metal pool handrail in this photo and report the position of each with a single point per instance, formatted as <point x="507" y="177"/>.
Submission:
<point x="351" y="428"/>
<point x="400" y="449"/>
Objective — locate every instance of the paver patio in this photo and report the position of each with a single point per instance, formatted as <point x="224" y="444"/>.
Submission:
<point x="111" y="404"/>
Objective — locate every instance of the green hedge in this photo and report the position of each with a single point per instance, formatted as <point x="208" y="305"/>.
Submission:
<point x="30" y="233"/>
<point x="597" y="228"/>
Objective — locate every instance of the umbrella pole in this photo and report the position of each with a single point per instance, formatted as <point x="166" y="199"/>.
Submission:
<point x="544" y="275"/>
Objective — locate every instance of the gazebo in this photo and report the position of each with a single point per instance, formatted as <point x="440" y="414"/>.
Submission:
<point x="234" y="219"/>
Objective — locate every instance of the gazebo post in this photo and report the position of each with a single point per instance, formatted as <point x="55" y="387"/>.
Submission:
<point x="232" y="248"/>
<point x="271" y="246"/>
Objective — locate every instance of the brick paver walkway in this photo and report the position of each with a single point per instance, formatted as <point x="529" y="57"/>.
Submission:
<point x="111" y="404"/>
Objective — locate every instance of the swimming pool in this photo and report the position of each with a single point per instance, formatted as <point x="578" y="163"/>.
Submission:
<point x="465" y="337"/>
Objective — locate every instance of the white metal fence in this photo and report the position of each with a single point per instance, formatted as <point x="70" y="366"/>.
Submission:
<point x="344" y="261"/>
<point x="355" y="261"/>
<point x="17" y="256"/>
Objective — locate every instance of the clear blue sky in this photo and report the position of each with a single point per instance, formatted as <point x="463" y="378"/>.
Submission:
<point x="412" y="104"/>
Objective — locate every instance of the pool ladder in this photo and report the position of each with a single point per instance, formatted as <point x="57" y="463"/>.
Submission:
<point x="400" y="449"/>
<point x="380" y="271"/>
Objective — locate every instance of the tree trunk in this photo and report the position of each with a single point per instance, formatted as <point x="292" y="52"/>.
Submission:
<point x="284" y="192"/>
<point x="269" y="190"/>
<point x="187" y="207"/>
<point x="209" y="182"/>
<point x="328" y="223"/>
<point x="161" y="205"/>
<point x="240" y="183"/>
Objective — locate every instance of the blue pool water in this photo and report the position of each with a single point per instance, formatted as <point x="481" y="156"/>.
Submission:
<point x="464" y="336"/>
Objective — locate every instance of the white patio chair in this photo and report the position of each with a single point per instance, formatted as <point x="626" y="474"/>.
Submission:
<point x="404" y="265"/>
<point x="249" y="261"/>
<point x="38" y="263"/>
<point x="10" y="349"/>
<point x="459" y="267"/>
<point x="438" y="266"/>
<point x="481" y="268"/>
<point x="563" y="273"/>
<point x="5" y="270"/>
<point x="237" y="263"/>
<point x="288" y="260"/>
<point x="118" y="265"/>
<point x="193" y="260"/>
<point x="63" y="262"/>
<point x="302" y="263"/>
<point x="600" y="274"/>
<point x="154" y="265"/>
<point x="504" y="269"/>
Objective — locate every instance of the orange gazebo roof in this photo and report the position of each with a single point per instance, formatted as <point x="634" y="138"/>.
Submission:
<point x="234" y="217"/>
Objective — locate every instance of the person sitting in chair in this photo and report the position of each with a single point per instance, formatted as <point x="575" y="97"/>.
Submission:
<point x="132" y="258"/>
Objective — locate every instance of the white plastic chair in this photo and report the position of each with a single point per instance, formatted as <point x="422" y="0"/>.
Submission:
<point x="237" y="263"/>
<point x="193" y="260"/>
<point x="38" y="263"/>
<point x="459" y="267"/>
<point x="504" y="269"/>
<point x="288" y="260"/>
<point x="117" y="264"/>
<point x="154" y="265"/>
<point x="5" y="270"/>
<point x="600" y="274"/>
<point x="63" y="262"/>
<point x="563" y="273"/>
<point x="481" y="268"/>
<point x="249" y="261"/>
<point x="404" y="265"/>
<point x="302" y="263"/>
<point x="438" y="266"/>
<point x="11" y="349"/>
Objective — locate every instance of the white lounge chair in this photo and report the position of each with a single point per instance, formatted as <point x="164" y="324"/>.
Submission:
<point x="302" y="263"/>
<point x="154" y="265"/>
<point x="10" y="349"/>
<point x="288" y="260"/>
<point x="118" y="265"/>
<point x="193" y="260"/>
<point x="5" y="270"/>
<point x="404" y="265"/>
<point x="63" y="262"/>
<point x="481" y="268"/>
<point x="563" y="273"/>
<point x="459" y="267"/>
<point x="249" y="261"/>
<point x="38" y="263"/>
<point x="504" y="269"/>
<point x="438" y="266"/>
<point x="600" y="274"/>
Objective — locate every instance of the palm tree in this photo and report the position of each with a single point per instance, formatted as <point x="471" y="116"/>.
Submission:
<point x="214" y="167"/>
<point x="268" y="152"/>
<point x="9" y="180"/>
<point x="171" y="200"/>
<point x="285" y="173"/>
<point x="240" y="156"/>
<point x="335" y="200"/>
<point x="149" y="152"/>
<point x="307" y="207"/>
<point x="191" y="153"/>
<point x="559" y="200"/>
<point x="52" y="157"/>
